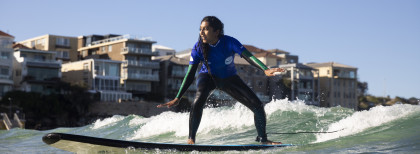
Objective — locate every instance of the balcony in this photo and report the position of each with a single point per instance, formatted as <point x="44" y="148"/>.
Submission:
<point x="144" y="77"/>
<point x="135" y="63"/>
<point x="140" y="51"/>
<point x="178" y="73"/>
<point x="43" y="63"/>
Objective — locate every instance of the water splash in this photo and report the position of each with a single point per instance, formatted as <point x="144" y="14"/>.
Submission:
<point x="360" y="121"/>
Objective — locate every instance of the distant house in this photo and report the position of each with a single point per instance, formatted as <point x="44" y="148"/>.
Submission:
<point x="99" y="76"/>
<point x="35" y="70"/>
<point x="64" y="46"/>
<point x="139" y="72"/>
<point x="338" y="84"/>
<point x="6" y="63"/>
<point x="161" y="50"/>
<point x="298" y="82"/>
<point x="172" y="72"/>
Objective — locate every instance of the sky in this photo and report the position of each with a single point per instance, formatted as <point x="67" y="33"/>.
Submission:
<point x="379" y="37"/>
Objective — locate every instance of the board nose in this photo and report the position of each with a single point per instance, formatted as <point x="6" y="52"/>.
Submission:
<point x="51" y="138"/>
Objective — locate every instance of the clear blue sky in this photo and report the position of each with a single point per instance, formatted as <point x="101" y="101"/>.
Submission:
<point x="379" y="37"/>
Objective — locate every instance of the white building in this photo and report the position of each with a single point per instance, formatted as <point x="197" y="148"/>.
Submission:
<point x="99" y="76"/>
<point x="6" y="63"/>
<point x="35" y="70"/>
<point x="162" y="51"/>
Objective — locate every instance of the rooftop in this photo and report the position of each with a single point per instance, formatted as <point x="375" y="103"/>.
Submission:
<point x="329" y="64"/>
<point x="173" y="59"/>
<point x="5" y="34"/>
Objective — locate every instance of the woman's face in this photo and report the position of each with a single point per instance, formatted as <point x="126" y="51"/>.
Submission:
<point x="207" y="33"/>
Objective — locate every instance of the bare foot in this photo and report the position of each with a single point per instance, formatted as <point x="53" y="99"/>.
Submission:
<point x="271" y="143"/>
<point x="190" y="141"/>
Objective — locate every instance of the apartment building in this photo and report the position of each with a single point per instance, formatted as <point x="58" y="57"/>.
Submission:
<point x="161" y="50"/>
<point x="274" y="57"/>
<point x="64" y="46"/>
<point x="6" y="63"/>
<point x="99" y="76"/>
<point x="35" y="70"/>
<point x="138" y="70"/>
<point x="298" y="82"/>
<point x="172" y="72"/>
<point x="337" y="84"/>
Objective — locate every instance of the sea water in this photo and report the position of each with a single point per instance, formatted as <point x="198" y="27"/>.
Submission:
<point x="384" y="129"/>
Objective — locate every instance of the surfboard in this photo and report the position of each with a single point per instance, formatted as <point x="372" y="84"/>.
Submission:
<point x="87" y="144"/>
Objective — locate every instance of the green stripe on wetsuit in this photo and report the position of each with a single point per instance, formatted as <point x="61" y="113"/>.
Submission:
<point x="188" y="79"/>
<point x="253" y="60"/>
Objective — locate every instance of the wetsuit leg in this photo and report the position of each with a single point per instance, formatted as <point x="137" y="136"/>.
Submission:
<point x="236" y="88"/>
<point x="205" y="85"/>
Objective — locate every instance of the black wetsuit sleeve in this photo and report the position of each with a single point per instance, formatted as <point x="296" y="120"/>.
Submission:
<point x="253" y="60"/>
<point x="188" y="79"/>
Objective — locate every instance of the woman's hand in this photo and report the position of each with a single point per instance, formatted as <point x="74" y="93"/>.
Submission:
<point x="271" y="71"/>
<point x="169" y="104"/>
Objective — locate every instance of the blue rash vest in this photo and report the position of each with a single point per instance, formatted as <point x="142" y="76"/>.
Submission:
<point x="221" y="57"/>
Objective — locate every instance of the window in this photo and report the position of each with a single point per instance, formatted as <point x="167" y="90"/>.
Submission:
<point x="109" y="48"/>
<point x="63" y="42"/>
<point x="39" y="57"/>
<point x="18" y="72"/>
<point x="98" y="70"/>
<point x="40" y="41"/>
<point x="103" y="49"/>
<point x="5" y="55"/>
<point x="4" y="71"/>
<point x="86" y="67"/>
<point x="32" y="43"/>
<point x="352" y="74"/>
<point x="65" y="54"/>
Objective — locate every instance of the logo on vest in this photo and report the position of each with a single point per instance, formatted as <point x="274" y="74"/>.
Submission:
<point x="229" y="60"/>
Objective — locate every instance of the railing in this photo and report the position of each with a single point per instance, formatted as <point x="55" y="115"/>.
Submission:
<point x="141" y="64"/>
<point x="143" y="51"/>
<point x="6" y="121"/>
<point x="18" y="121"/>
<point x="178" y="73"/>
<point x="7" y="77"/>
<point x="112" y="39"/>
<point x="147" y="77"/>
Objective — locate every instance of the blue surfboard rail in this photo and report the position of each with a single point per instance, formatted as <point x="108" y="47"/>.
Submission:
<point x="52" y="138"/>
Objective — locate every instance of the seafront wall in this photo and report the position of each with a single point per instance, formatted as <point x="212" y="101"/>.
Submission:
<point x="142" y="108"/>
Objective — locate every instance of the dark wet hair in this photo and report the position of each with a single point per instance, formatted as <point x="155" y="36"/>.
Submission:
<point x="216" y="24"/>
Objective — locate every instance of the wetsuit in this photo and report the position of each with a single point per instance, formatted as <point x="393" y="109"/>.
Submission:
<point x="222" y="76"/>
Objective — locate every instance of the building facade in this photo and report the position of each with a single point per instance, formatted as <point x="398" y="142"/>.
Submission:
<point x="161" y="50"/>
<point x="99" y="76"/>
<point x="35" y="70"/>
<point x="64" y="46"/>
<point x="139" y="72"/>
<point x="338" y="84"/>
<point x="6" y="63"/>
<point x="298" y="82"/>
<point x="172" y="72"/>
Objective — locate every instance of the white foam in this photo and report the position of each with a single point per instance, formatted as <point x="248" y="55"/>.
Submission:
<point x="296" y="106"/>
<point x="106" y="122"/>
<point x="360" y="121"/>
<point x="237" y="117"/>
